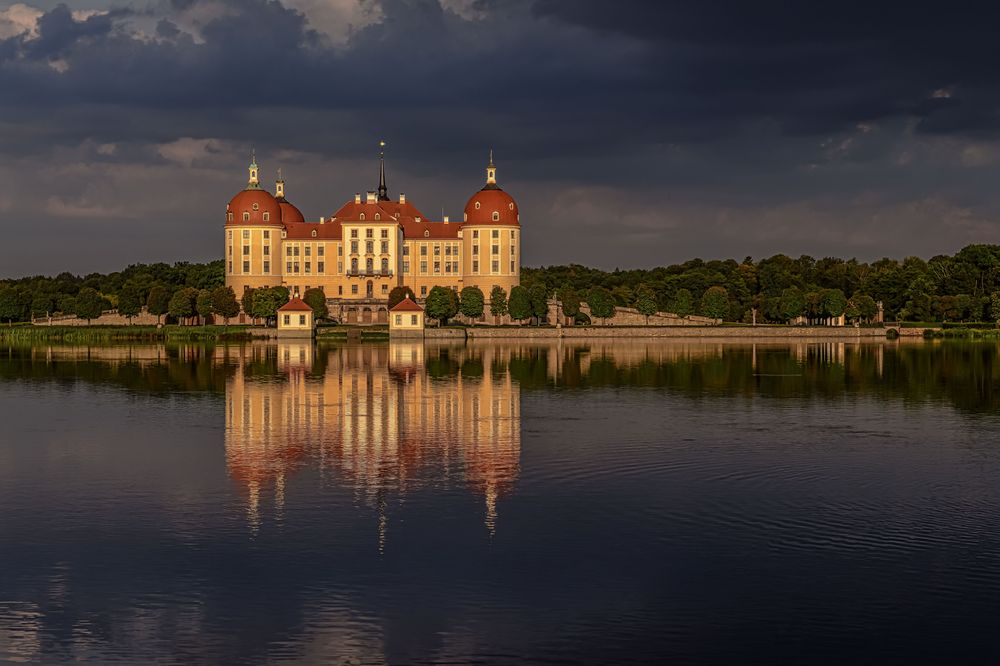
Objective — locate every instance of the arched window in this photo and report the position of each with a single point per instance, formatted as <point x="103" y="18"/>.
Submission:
<point x="361" y="217"/>
<point x="354" y="264"/>
<point x="314" y="233"/>
<point x="427" y="233"/>
<point x="385" y="266"/>
<point x="229" y="216"/>
<point x="246" y="216"/>
<point x="378" y="216"/>
<point x="369" y="264"/>
<point x="496" y="216"/>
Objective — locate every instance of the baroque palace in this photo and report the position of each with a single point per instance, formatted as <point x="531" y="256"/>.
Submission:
<point x="370" y="245"/>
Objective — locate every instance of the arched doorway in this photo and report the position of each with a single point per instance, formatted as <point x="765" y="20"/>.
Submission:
<point x="383" y="316"/>
<point x="352" y="316"/>
<point x="366" y="315"/>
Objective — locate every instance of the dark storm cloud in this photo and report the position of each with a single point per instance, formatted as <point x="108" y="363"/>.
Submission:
<point x="686" y="116"/>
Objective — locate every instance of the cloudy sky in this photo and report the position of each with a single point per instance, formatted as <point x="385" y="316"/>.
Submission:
<point x="633" y="133"/>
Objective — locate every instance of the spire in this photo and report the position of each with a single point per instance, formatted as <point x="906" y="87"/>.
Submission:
<point x="383" y="191"/>
<point x="279" y="187"/>
<point x="253" y="182"/>
<point x="491" y="174"/>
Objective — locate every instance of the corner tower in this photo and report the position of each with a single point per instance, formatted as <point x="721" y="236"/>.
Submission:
<point x="491" y="236"/>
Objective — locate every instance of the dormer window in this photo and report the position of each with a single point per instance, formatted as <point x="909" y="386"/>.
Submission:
<point x="496" y="216"/>
<point x="314" y="233"/>
<point x="229" y="216"/>
<point x="284" y="234"/>
<point x="511" y="205"/>
<point x="361" y="217"/>
<point x="477" y="205"/>
<point x="427" y="233"/>
<point x="378" y="216"/>
<point x="246" y="216"/>
<point x="256" y="206"/>
<point x="267" y="216"/>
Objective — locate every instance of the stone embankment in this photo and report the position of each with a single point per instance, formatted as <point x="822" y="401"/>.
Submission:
<point x="677" y="332"/>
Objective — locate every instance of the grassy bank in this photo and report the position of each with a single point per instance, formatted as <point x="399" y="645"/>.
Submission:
<point x="102" y="334"/>
<point x="963" y="334"/>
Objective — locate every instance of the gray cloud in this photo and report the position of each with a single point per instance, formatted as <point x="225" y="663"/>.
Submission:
<point x="663" y="129"/>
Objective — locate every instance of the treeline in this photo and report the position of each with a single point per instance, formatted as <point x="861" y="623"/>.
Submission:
<point x="129" y="290"/>
<point x="961" y="287"/>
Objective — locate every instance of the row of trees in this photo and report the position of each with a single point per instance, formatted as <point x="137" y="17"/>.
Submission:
<point x="961" y="287"/>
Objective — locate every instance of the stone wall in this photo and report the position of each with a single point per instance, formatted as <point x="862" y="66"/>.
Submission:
<point x="703" y="332"/>
<point x="630" y="317"/>
<point x="107" y="318"/>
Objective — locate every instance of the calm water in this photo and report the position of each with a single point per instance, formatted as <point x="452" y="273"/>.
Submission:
<point x="500" y="504"/>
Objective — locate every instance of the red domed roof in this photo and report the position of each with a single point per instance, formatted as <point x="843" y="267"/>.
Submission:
<point x="491" y="206"/>
<point x="256" y="203"/>
<point x="289" y="213"/>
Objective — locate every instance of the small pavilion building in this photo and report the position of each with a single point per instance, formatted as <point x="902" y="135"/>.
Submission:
<point x="406" y="319"/>
<point x="295" y="319"/>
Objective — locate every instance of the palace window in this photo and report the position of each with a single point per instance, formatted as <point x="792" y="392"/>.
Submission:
<point x="246" y="266"/>
<point x="229" y="218"/>
<point x="447" y="267"/>
<point x="314" y="233"/>
<point x="385" y="266"/>
<point x="354" y="233"/>
<point x="475" y="266"/>
<point x="447" y="250"/>
<point x="230" y="267"/>
<point x="496" y="266"/>
<point x="308" y="267"/>
<point x="288" y="250"/>
<point x="437" y="250"/>
<point x="378" y="216"/>
<point x="354" y="264"/>
<point x="512" y="267"/>
<point x="309" y="249"/>
<point x="423" y="250"/>
<point x="369" y="265"/>
<point x="475" y="233"/>
<point x="513" y="234"/>
<point x="246" y="250"/>
<point x="423" y="290"/>
<point x="267" y="234"/>
<point x="369" y="247"/>
<point x="475" y="249"/>
<point x="513" y="250"/>
<point x="267" y="267"/>
<point x="340" y="290"/>
<point x="354" y="289"/>
<point x="423" y="267"/>
<point x="288" y="267"/>
<point x="496" y="216"/>
<point x="437" y="266"/>
<point x="406" y="250"/>
<point x="267" y="216"/>
<point x="230" y="250"/>
<point x="406" y="266"/>
<point x="246" y="234"/>
<point x="320" y="266"/>
<point x="369" y="233"/>
<point x="321" y="250"/>
<point x="385" y="247"/>
<point x="354" y="247"/>
<point x="340" y="267"/>
<point x="361" y="217"/>
<point x="295" y="267"/>
<point x="385" y="289"/>
<point x="496" y="249"/>
<point x="496" y="233"/>
<point x="295" y="251"/>
<point x="399" y="320"/>
<point x="385" y="233"/>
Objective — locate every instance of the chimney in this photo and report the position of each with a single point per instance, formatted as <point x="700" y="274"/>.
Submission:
<point x="322" y="220"/>
<point x="402" y="198"/>
<point x="372" y="197"/>
<point x="357" y="197"/>
<point x="446" y="219"/>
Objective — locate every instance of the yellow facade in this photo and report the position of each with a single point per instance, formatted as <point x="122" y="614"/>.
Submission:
<point x="368" y="247"/>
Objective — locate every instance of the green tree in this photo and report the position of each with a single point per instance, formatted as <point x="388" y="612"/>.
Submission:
<point x="995" y="305"/>
<point x="182" y="304"/>
<point x="791" y="304"/>
<point x="519" y="304"/>
<point x="266" y="302"/>
<point x="89" y="304"/>
<point x="158" y="301"/>
<point x="602" y="303"/>
<point x="682" y="303"/>
<point x="11" y="307"/>
<point x="399" y="294"/>
<point x="833" y="302"/>
<point x="715" y="302"/>
<point x="441" y="304"/>
<point x="472" y="302"/>
<point x="224" y="303"/>
<point x="538" y="294"/>
<point x="42" y="304"/>
<point x="569" y="301"/>
<point x="203" y="304"/>
<point x="498" y="301"/>
<point x="246" y="301"/>
<point x="866" y="306"/>
<point x="645" y="301"/>
<point x="129" y="301"/>
<point x="316" y="299"/>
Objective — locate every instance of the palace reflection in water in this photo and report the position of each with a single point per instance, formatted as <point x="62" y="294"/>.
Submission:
<point x="375" y="417"/>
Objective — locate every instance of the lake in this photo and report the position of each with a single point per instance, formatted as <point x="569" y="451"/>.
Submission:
<point x="597" y="503"/>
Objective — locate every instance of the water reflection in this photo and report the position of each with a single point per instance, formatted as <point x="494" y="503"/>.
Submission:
<point x="385" y="420"/>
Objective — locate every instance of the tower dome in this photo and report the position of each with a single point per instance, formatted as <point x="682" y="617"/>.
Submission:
<point x="491" y="205"/>
<point x="253" y="205"/>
